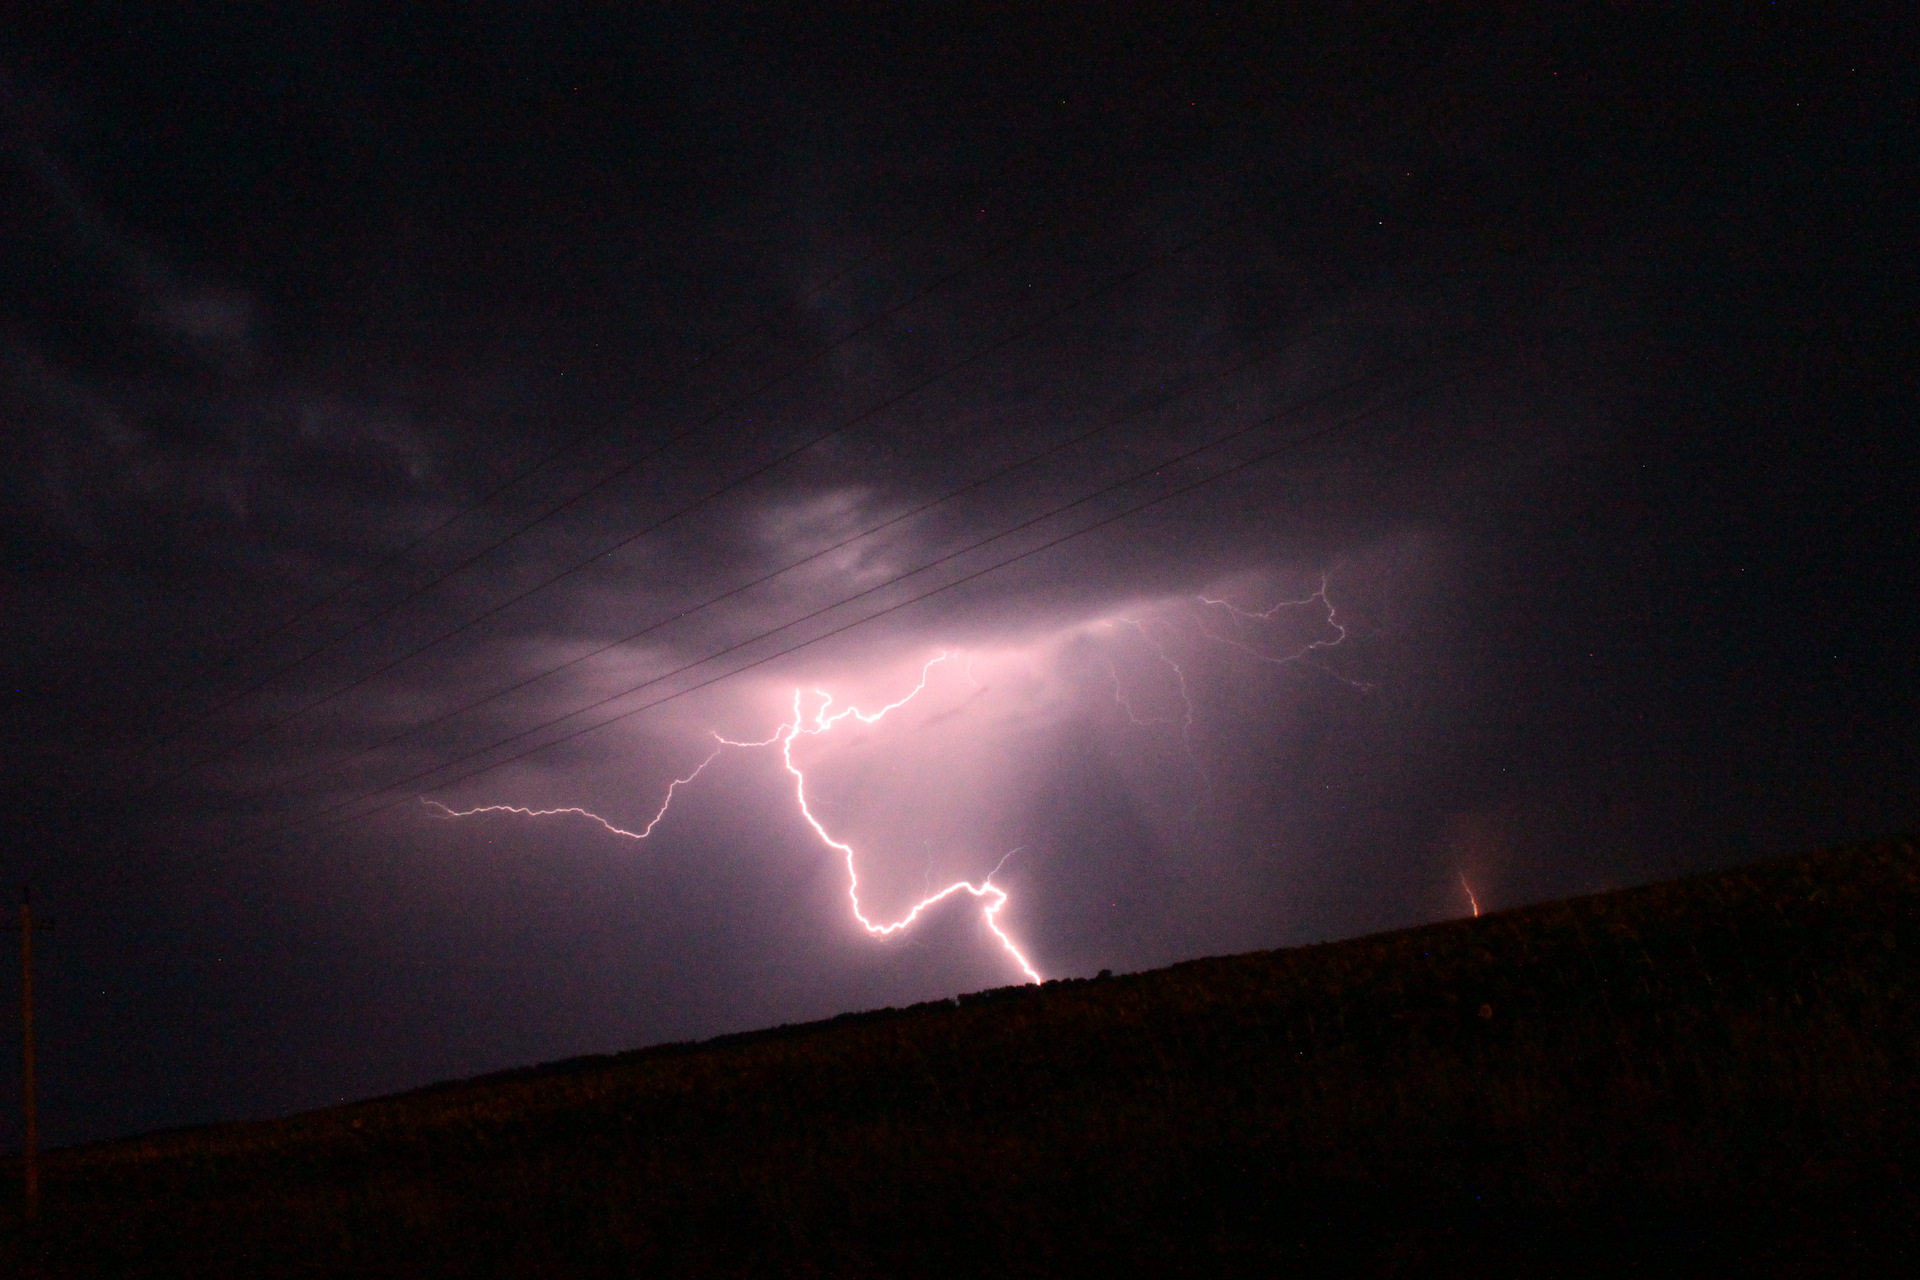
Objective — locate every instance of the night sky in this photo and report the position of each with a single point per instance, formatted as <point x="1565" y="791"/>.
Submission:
<point x="1349" y="462"/>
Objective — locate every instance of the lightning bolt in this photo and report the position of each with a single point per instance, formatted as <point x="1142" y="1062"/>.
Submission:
<point x="1242" y="620"/>
<point x="815" y="714"/>
<point x="821" y="722"/>
<point x="1186" y="702"/>
<point x="641" y="834"/>
<point x="1471" y="900"/>
<point x="1301" y="655"/>
<point x="1180" y="678"/>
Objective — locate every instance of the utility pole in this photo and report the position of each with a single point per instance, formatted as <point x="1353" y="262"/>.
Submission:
<point x="30" y="1124"/>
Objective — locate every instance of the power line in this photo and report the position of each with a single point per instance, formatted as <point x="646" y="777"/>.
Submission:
<point x="539" y="464"/>
<point x="872" y="411"/>
<point x="207" y="712"/>
<point x="979" y="573"/>
<point x="565" y="504"/>
<point x="900" y="518"/>
<point x="288" y="830"/>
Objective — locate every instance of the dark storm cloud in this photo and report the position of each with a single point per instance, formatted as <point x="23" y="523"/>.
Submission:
<point x="1535" y="322"/>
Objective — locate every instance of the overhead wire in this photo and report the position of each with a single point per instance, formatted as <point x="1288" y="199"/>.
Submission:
<point x="567" y="503"/>
<point x="707" y="356"/>
<point x="739" y="400"/>
<point x="1053" y="450"/>
<point x="1046" y="318"/>
<point x="711" y="657"/>
<point x="287" y="831"/>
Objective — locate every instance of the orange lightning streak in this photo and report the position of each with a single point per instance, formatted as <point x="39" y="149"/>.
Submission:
<point x="1471" y="900"/>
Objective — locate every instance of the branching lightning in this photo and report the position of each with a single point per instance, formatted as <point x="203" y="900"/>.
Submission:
<point x="1305" y="653"/>
<point x="1238" y="618"/>
<point x="641" y="834"/>
<point x="816" y="714"/>
<point x="1186" y="701"/>
<point x="822" y="721"/>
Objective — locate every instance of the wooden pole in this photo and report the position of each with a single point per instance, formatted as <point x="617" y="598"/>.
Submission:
<point x="30" y="1129"/>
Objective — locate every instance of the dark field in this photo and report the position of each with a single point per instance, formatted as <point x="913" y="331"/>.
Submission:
<point x="1700" y="1077"/>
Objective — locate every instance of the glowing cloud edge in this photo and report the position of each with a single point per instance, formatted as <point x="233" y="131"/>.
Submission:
<point x="824" y="719"/>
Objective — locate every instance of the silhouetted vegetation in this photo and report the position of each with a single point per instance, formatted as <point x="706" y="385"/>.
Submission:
<point x="1676" y="1079"/>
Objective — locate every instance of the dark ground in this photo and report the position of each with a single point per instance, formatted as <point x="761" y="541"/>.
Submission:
<point x="1687" y="1078"/>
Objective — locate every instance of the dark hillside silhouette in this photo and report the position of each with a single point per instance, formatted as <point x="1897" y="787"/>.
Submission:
<point x="1676" y="1079"/>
